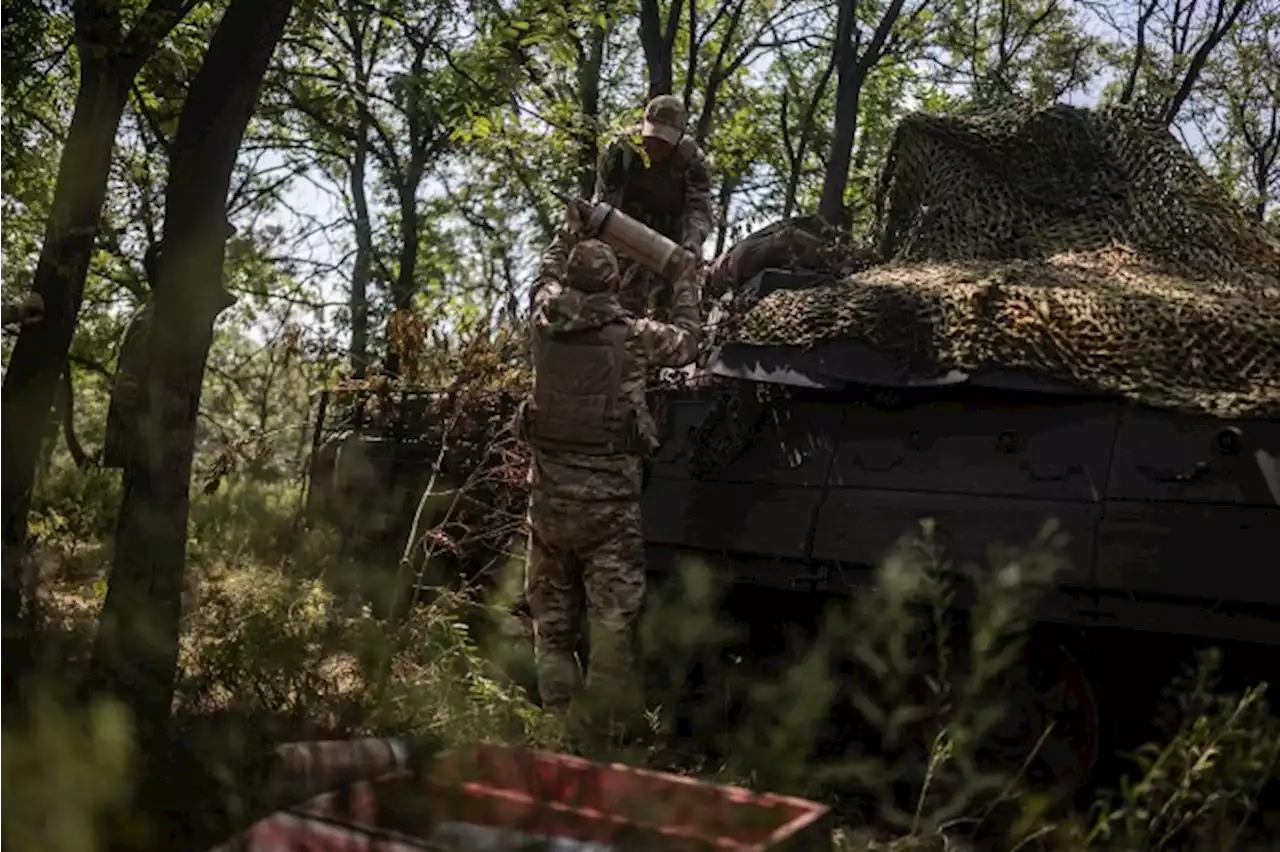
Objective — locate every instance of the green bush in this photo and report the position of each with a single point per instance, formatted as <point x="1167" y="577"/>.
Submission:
<point x="67" y="776"/>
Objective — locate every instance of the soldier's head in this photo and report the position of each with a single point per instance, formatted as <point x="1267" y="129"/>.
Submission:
<point x="593" y="268"/>
<point x="663" y="126"/>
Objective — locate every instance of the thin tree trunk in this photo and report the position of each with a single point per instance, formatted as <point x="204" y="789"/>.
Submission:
<point x="852" y="70"/>
<point x="806" y="135"/>
<point x="589" y="95"/>
<point x="719" y="73"/>
<point x="407" y="178"/>
<point x="404" y="286"/>
<point x="136" y="650"/>
<point x="1201" y="57"/>
<point x="66" y="405"/>
<point x="362" y="273"/>
<point x="658" y="39"/>
<point x="849" y="82"/>
<point x="728" y="186"/>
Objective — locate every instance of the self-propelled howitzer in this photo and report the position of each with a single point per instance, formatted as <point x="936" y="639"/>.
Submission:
<point x="1063" y="323"/>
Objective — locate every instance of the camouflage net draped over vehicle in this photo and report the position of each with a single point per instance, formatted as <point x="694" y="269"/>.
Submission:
<point x="1084" y="246"/>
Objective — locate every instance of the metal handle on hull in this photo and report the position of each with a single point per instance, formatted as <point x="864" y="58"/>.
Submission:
<point x="1226" y="442"/>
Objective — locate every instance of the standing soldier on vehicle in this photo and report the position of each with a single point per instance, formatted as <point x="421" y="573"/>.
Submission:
<point x="667" y="187"/>
<point x="589" y="427"/>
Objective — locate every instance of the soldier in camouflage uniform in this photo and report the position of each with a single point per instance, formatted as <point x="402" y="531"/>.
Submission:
<point x="589" y="427"/>
<point x="670" y="193"/>
<point x="28" y="312"/>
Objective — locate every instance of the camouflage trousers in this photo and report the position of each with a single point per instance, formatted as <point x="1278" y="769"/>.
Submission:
<point x="586" y="564"/>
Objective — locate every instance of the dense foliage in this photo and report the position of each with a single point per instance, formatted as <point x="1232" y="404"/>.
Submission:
<point x="405" y="153"/>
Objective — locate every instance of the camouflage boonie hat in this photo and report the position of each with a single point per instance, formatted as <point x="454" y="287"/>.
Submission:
<point x="664" y="118"/>
<point x="593" y="268"/>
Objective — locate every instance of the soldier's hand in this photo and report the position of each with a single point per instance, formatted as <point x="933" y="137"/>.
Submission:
<point x="693" y="263"/>
<point x="32" y="309"/>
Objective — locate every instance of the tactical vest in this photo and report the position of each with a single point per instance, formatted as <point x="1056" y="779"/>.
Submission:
<point x="655" y="195"/>
<point x="578" y="404"/>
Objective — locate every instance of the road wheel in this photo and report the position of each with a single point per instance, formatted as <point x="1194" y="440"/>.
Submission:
<point x="1050" y="730"/>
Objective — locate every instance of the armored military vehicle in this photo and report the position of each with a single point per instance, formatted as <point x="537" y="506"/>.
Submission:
<point x="1062" y="318"/>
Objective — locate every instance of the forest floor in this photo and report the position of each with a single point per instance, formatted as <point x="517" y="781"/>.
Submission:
<point x="272" y="631"/>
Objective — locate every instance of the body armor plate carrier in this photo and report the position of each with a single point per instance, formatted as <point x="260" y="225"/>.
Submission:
<point x="577" y="393"/>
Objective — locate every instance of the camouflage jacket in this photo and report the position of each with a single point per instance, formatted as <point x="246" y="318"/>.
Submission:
<point x="649" y="344"/>
<point x="553" y="263"/>
<point x="672" y="197"/>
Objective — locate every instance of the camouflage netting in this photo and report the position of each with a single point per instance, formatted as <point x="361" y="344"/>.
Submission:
<point x="1083" y="246"/>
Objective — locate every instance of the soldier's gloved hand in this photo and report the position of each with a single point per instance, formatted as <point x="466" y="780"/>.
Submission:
<point x="693" y="259"/>
<point x="32" y="309"/>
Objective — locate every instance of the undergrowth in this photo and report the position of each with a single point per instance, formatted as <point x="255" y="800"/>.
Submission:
<point x="274" y="634"/>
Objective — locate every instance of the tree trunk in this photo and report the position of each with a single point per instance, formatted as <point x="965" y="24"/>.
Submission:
<point x="848" y="93"/>
<point x="658" y="42"/>
<point x="719" y="72"/>
<point x="1139" y="53"/>
<point x="136" y="651"/>
<point x="109" y="58"/>
<point x="66" y="405"/>
<point x="1195" y="67"/>
<point x="406" y="176"/>
<point x="805" y="136"/>
<point x="403" y="288"/>
<point x="728" y="186"/>
<point x="40" y="354"/>
<point x="589" y="99"/>
<point x="851" y="70"/>
<point x="362" y="273"/>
